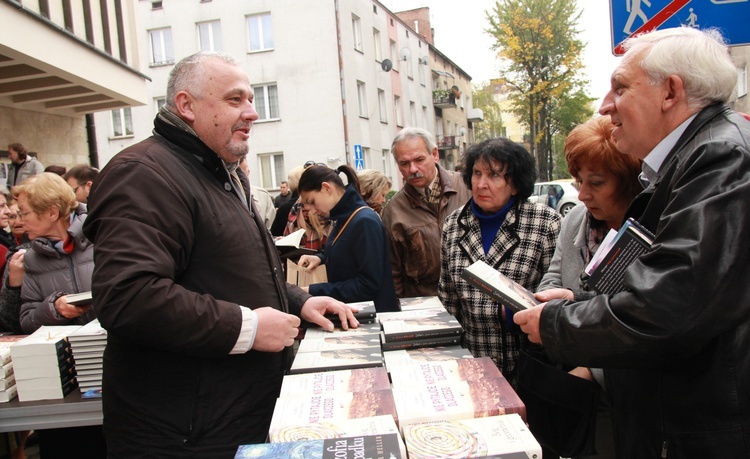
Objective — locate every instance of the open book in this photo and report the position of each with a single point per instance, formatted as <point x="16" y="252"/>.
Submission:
<point x="289" y="245"/>
<point x="505" y="291"/>
<point x="618" y="250"/>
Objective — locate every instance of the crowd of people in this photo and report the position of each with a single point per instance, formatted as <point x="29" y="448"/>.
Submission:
<point x="201" y="320"/>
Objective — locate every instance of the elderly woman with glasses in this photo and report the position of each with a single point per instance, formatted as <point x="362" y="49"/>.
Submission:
<point x="60" y="260"/>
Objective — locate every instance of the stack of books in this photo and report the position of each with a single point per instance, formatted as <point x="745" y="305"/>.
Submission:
<point x="8" y="389"/>
<point x="43" y="364"/>
<point x="505" y="436"/>
<point x="334" y="404"/>
<point x="320" y="350"/>
<point x="88" y="343"/>
<point x="418" y="328"/>
<point x="452" y="390"/>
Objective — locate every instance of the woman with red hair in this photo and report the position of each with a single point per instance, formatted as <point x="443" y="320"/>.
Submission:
<point x="607" y="182"/>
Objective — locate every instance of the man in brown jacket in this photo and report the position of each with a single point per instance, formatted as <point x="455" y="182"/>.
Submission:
<point x="414" y="216"/>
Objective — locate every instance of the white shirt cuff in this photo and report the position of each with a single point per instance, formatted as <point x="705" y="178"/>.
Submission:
<point x="247" y="332"/>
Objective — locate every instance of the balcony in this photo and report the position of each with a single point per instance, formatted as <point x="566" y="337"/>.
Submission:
<point x="447" y="142"/>
<point x="443" y="98"/>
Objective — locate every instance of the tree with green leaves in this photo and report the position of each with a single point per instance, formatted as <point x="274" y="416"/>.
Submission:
<point x="492" y="124"/>
<point x="537" y="42"/>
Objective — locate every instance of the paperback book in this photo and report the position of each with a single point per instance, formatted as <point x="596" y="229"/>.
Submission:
<point x="420" y="302"/>
<point x="365" y="313"/>
<point x="80" y="299"/>
<point x="430" y="373"/>
<point x="358" y="380"/>
<point x="363" y="329"/>
<point x="385" y="446"/>
<point x="335" y="429"/>
<point x="419" y="324"/>
<point x="339" y="343"/>
<point x="343" y="359"/>
<point x="505" y="435"/>
<point x="456" y="400"/>
<point x="618" y="250"/>
<point x="393" y="359"/>
<point x="435" y="341"/>
<point x="502" y="289"/>
<point x="338" y="406"/>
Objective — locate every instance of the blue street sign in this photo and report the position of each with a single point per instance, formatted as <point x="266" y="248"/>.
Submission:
<point x="359" y="161"/>
<point x="630" y="17"/>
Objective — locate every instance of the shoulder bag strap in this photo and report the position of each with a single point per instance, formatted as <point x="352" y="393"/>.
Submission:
<point x="347" y="222"/>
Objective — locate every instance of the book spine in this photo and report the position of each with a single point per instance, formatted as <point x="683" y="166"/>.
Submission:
<point x="416" y="344"/>
<point x="424" y="334"/>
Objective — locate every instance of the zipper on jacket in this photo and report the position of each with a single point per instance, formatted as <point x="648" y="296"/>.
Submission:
<point x="664" y="447"/>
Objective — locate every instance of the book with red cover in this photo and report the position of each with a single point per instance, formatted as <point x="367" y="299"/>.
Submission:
<point x="393" y="359"/>
<point x="357" y="380"/>
<point x="427" y="373"/>
<point x="456" y="400"/>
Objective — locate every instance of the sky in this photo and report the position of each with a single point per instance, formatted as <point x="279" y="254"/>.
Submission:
<point x="459" y="34"/>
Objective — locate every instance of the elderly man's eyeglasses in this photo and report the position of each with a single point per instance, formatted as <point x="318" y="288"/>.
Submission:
<point x="23" y="215"/>
<point x="313" y="163"/>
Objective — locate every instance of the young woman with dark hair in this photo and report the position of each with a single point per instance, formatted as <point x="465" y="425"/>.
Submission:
<point x="356" y="253"/>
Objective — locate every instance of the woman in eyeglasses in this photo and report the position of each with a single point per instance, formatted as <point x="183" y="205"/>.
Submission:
<point x="356" y="253"/>
<point x="60" y="260"/>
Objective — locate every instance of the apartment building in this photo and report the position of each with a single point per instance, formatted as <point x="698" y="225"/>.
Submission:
<point x="334" y="80"/>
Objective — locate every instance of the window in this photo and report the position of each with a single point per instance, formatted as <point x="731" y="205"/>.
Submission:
<point x="122" y="122"/>
<point x="267" y="102"/>
<point x="382" y="107"/>
<point x="397" y="111"/>
<point x="362" y="99"/>
<point x="376" y="43"/>
<point x="424" y="115"/>
<point x="161" y="47"/>
<point x="413" y="113"/>
<point x="421" y="71"/>
<point x="742" y="81"/>
<point x="260" y="32"/>
<point x="271" y="170"/>
<point x="156" y="5"/>
<point x="357" y="33"/>
<point x="159" y="102"/>
<point x="209" y="36"/>
<point x="366" y="155"/>
<point x="386" y="162"/>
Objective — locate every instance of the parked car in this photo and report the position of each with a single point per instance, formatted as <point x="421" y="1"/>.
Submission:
<point x="564" y="193"/>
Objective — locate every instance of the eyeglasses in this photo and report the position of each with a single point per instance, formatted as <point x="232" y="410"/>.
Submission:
<point x="23" y="215"/>
<point x="313" y="163"/>
<point x="13" y="216"/>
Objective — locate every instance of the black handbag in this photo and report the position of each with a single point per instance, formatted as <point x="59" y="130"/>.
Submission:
<point x="560" y="408"/>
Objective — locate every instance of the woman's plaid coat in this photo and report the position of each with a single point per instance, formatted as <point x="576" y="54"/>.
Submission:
<point x="522" y="250"/>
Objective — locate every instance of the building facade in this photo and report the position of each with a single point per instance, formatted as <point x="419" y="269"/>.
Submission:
<point x="334" y="80"/>
<point x="59" y="62"/>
